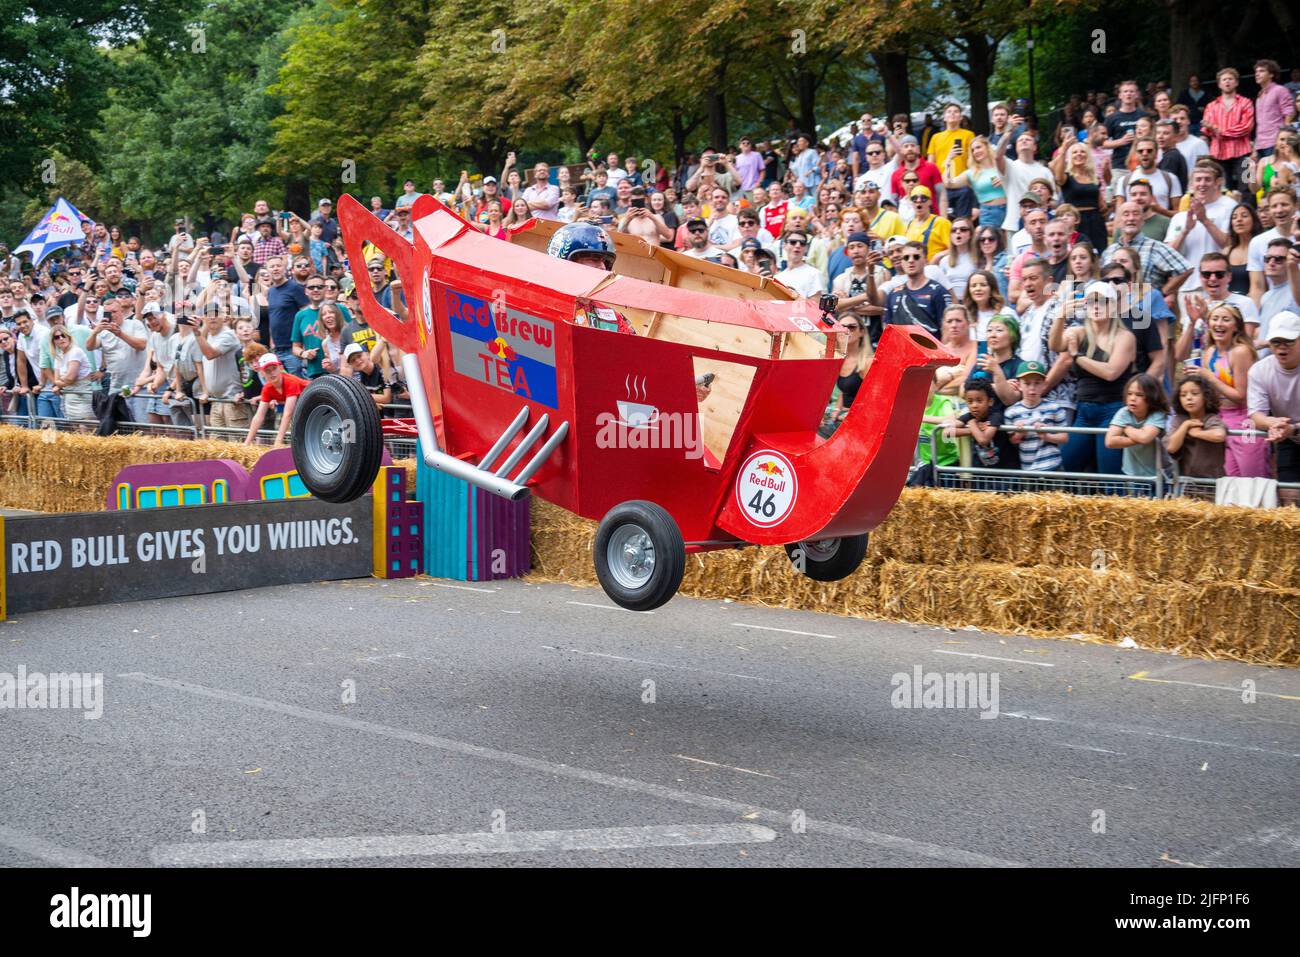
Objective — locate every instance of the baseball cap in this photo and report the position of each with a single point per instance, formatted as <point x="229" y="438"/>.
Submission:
<point x="872" y="185"/>
<point x="1031" y="368"/>
<point x="1029" y="199"/>
<point x="858" y="237"/>
<point x="894" y="241"/>
<point x="54" y="312"/>
<point x="266" y="221"/>
<point x="696" y="221"/>
<point x="908" y="138"/>
<point x="921" y="191"/>
<point x="353" y="349"/>
<point x="1285" y="325"/>
<point x="1104" y="289"/>
<point x="325" y="201"/>
<point x="268" y="360"/>
<point x="489" y="179"/>
<point x="150" y="309"/>
<point x="751" y="244"/>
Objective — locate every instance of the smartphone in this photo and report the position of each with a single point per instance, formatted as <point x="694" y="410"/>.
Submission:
<point x="876" y="246"/>
<point x="637" y="204"/>
<point x="981" y="350"/>
<point x="606" y="220"/>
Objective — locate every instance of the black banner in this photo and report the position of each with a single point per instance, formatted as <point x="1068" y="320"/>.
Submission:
<point x="91" y="558"/>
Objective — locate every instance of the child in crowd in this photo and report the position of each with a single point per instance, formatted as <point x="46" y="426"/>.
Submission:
<point x="940" y="411"/>
<point x="1197" y="435"/>
<point x="980" y="421"/>
<point x="1138" y="426"/>
<point x="1039" y="451"/>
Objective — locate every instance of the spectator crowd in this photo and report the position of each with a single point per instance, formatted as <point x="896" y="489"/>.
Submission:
<point x="1135" y="269"/>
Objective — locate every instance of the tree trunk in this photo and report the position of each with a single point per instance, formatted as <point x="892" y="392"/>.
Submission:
<point x="1186" y="31"/>
<point x="717" y="105"/>
<point x="678" y="130"/>
<point x="296" y="195"/>
<point x="980" y="60"/>
<point x="893" y="74"/>
<point x="807" y="90"/>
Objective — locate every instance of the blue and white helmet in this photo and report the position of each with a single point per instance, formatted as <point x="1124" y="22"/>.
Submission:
<point x="580" y="237"/>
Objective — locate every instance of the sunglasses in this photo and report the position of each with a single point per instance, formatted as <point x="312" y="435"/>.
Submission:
<point x="1281" y="343"/>
<point x="910" y="257"/>
<point x="1272" y="259"/>
<point x="912" y="180"/>
<point x="698" y="229"/>
<point x="1213" y="273"/>
<point x="961" y="229"/>
<point x="311" y="286"/>
<point x="58" y="337"/>
<point x="1115" y="280"/>
<point x="376" y="269"/>
<point x="796" y="242"/>
<point x="988" y="239"/>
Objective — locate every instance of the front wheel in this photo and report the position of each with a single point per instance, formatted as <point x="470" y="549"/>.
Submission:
<point x="639" y="555"/>
<point x="828" y="559"/>
<point x="338" y="440"/>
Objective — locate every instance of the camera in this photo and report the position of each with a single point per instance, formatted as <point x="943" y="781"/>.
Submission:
<point x="827" y="303"/>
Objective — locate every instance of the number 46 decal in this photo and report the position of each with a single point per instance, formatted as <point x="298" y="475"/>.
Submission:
<point x="766" y="488"/>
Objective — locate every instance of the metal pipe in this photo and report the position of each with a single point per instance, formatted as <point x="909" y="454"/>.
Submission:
<point x="535" y="433"/>
<point x="435" y="457"/>
<point x="543" y="454"/>
<point x="505" y="439"/>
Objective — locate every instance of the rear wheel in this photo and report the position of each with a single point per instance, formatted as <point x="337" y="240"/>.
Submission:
<point x="338" y="440"/>
<point x="639" y="555"/>
<point x="828" y="559"/>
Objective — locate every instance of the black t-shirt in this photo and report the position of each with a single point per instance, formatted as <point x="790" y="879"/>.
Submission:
<point x="69" y="299"/>
<point x="1118" y="124"/>
<point x="372" y="380"/>
<point x="358" y="330"/>
<point x="1001" y="454"/>
<point x="922" y="307"/>
<point x="1148" y="339"/>
<point x="1174" y="162"/>
<point x="771" y="168"/>
<point x="251" y="269"/>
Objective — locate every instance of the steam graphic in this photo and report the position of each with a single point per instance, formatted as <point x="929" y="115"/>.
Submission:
<point x="634" y="389"/>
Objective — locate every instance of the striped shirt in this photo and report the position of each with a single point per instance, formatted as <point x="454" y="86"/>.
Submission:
<point x="1232" y="126"/>
<point x="1037" y="454"/>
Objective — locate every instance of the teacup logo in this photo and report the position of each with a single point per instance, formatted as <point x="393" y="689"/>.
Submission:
<point x="635" y="412"/>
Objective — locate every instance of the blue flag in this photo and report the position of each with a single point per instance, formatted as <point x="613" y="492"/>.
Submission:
<point x="58" y="229"/>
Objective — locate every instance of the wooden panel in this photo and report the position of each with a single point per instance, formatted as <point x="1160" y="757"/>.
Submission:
<point x="720" y="412"/>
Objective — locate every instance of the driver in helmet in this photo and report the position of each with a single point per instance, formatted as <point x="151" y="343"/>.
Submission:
<point x="587" y="244"/>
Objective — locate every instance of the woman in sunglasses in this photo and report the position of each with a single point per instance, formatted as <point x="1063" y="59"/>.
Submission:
<point x="71" y="369"/>
<point x="991" y="255"/>
<point x="857" y="360"/>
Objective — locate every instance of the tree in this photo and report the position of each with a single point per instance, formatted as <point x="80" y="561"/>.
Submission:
<point x="54" y="75"/>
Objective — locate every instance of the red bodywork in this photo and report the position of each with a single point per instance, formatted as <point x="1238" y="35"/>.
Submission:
<point x="493" y="326"/>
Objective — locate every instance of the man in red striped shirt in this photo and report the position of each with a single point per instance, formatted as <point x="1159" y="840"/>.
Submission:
<point x="1228" y="122"/>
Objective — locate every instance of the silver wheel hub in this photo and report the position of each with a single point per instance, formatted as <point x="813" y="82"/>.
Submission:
<point x="323" y="435"/>
<point x="630" y="554"/>
<point x="821" y="551"/>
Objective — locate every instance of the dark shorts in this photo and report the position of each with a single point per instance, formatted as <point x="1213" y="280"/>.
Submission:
<point x="1288" y="462"/>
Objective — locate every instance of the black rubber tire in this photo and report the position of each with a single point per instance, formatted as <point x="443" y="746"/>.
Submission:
<point x="356" y="473"/>
<point x="843" y="563"/>
<point x="669" y="551"/>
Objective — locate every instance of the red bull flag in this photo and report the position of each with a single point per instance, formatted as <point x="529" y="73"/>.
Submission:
<point x="58" y="229"/>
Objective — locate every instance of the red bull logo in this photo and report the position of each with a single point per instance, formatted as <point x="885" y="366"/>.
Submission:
<point x="501" y="349"/>
<point x="771" y="468"/>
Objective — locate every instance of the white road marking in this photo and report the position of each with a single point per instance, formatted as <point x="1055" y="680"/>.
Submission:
<point x="486" y="591"/>
<point x="777" y="817"/>
<point x="48" y="851"/>
<point x="1142" y="676"/>
<point x="587" y="604"/>
<point x="729" y="767"/>
<point x="1084" y="747"/>
<point x="1019" y="661"/>
<point x="422" y="845"/>
<point x="788" y="631"/>
<point x="1142" y="731"/>
<point x="659" y="664"/>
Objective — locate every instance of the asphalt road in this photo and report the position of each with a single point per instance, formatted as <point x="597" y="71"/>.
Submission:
<point x="509" y="724"/>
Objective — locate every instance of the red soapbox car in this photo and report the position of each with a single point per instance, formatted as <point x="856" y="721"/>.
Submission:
<point x="495" y="335"/>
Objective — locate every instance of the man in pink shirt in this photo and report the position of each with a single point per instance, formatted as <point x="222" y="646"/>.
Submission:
<point x="1272" y="107"/>
<point x="1228" y="122"/>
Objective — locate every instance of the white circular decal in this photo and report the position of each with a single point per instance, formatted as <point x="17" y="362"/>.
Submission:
<point x="766" y="488"/>
<point x="428" y="306"/>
